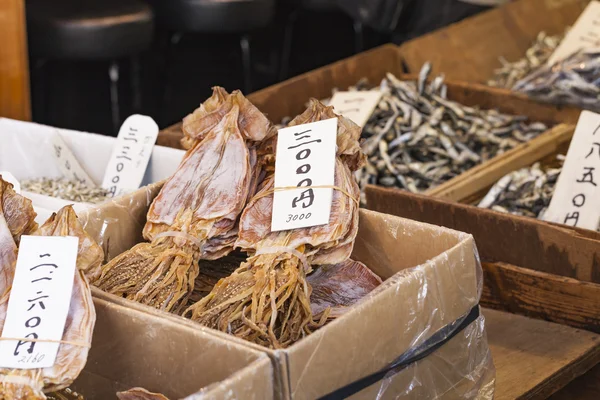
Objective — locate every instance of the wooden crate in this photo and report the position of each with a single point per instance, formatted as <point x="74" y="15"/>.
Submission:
<point x="470" y="49"/>
<point x="289" y="98"/>
<point x="531" y="267"/>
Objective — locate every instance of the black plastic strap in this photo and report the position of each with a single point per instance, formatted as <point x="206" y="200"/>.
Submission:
<point x="437" y="340"/>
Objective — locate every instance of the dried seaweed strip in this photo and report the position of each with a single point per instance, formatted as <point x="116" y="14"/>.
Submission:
<point x="70" y="359"/>
<point x="337" y="287"/>
<point x="195" y="215"/>
<point x="266" y="300"/>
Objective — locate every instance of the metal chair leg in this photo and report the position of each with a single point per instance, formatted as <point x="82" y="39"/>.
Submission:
<point x="165" y="89"/>
<point x="113" y="73"/>
<point x="286" y="51"/>
<point x="246" y="62"/>
<point x="136" y="87"/>
<point x="358" y="37"/>
<point x="39" y="75"/>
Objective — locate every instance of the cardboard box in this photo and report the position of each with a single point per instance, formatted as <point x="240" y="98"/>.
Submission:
<point x="531" y="267"/>
<point x="432" y="278"/>
<point x="26" y="151"/>
<point x="469" y="50"/>
<point x="135" y="349"/>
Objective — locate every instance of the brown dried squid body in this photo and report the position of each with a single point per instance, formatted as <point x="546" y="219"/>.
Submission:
<point x="195" y="214"/>
<point x="31" y="384"/>
<point x="267" y="299"/>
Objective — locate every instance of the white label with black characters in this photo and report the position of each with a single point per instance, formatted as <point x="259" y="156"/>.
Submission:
<point x="577" y="194"/>
<point x="67" y="162"/>
<point x="584" y="34"/>
<point x="10" y="178"/>
<point x="305" y="158"/>
<point x="358" y="106"/>
<point x="131" y="154"/>
<point x="39" y="301"/>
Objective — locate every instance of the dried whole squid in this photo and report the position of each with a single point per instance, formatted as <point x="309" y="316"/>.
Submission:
<point x="33" y="383"/>
<point x="337" y="287"/>
<point x="194" y="217"/>
<point x="267" y="299"/>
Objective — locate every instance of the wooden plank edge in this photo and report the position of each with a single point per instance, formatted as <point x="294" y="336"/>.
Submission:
<point x="541" y="295"/>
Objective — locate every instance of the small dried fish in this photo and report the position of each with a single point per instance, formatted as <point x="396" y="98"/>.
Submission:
<point x="417" y="139"/>
<point x="66" y="190"/>
<point x="525" y="192"/>
<point x="537" y="55"/>
<point x="574" y="81"/>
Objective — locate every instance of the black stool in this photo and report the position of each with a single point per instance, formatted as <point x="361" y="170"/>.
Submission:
<point x="299" y="6"/>
<point x="216" y="17"/>
<point x="90" y="30"/>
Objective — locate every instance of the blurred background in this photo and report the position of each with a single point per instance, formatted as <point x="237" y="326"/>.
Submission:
<point x="94" y="62"/>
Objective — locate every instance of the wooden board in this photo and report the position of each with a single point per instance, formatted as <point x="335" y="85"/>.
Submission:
<point x="536" y="358"/>
<point x="586" y="387"/>
<point x="470" y="49"/>
<point x="541" y="295"/>
<point x="14" y="69"/>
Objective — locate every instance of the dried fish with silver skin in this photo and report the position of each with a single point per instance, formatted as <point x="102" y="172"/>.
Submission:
<point x="195" y="214"/>
<point x="267" y="299"/>
<point x="66" y="190"/>
<point x="574" y="81"/>
<point x="31" y="384"/>
<point x="525" y="192"/>
<point x="417" y="139"/>
<point x="536" y="56"/>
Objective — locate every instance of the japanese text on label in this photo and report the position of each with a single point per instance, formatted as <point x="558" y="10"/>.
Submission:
<point x="576" y="197"/>
<point x="67" y="162"/>
<point x="131" y="154"/>
<point x="39" y="301"/>
<point x="584" y="34"/>
<point x="356" y="106"/>
<point x="305" y="159"/>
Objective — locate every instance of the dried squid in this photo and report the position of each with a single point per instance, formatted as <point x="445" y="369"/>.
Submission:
<point x="140" y="394"/>
<point x="71" y="358"/>
<point x="195" y="214"/>
<point x="267" y="299"/>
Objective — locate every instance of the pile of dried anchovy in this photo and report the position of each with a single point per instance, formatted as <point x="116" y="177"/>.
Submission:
<point x="575" y="81"/>
<point x="66" y="190"/>
<point x="536" y="56"/>
<point x="66" y="394"/>
<point x="417" y="139"/>
<point x="526" y="192"/>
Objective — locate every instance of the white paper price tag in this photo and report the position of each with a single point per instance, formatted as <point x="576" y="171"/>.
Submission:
<point x="305" y="157"/>
<point x="577" y="194"/>
<point x="356" y="106"/>
<point x="39" y="301"/>
<point x="10" y="178"/>
<point x="67" y="162"/>
<point x="131" y="154"/>
<point x="585" y="33"/>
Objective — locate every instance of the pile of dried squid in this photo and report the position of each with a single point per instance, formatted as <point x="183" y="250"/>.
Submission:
<point x="220" y="198"/>
<point x="17" y="218"/>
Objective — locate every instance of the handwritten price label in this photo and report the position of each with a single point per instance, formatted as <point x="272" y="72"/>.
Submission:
<point x="305" y="157"/>
<point x="584" y="34"/>
<point x="357" y="106"/>
<point x="131" y="154"/>
<point x="577" y="194"/>
<point x="67" y="162"/>
<point x="39" y="301"/>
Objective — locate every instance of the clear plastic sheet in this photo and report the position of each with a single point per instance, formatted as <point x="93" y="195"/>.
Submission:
<point x="133" y="349"/>
<point x="432" y="278"/>
<point x="574" y="80"/>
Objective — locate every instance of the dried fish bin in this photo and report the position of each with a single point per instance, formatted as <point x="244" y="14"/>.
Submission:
<point x="66" y="190"/>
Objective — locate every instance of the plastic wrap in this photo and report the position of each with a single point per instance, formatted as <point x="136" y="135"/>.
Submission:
<point x="133" y="349"/>
<point x="27" y="152"/>
<point x="574" y="80"/>
<point x="432" y="281"/>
